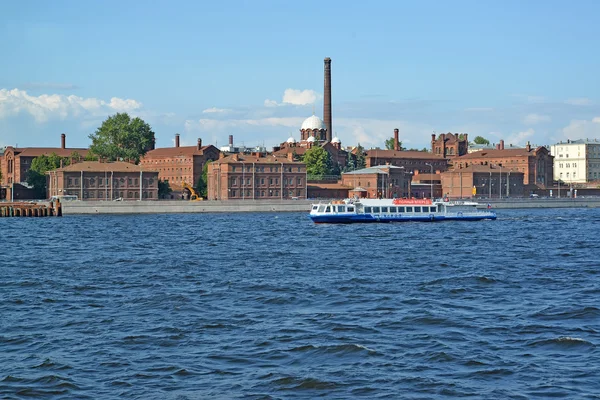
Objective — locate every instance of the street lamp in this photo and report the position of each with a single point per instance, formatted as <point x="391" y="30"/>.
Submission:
<point x="431" y="180"/>
<point x="500" y="186"/>
<point x="490" y="185"/>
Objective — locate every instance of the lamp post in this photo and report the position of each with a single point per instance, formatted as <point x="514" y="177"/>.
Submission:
<point x="490" y="185"/>
<point x="243" y="185"/>
<point x="431" y="180"/>
<point x="508" y="185"/>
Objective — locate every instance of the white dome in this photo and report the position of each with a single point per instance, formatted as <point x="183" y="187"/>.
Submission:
<point x="291" y="140"/>
<point x="336" y="140"/>
<point x="311" y="139"/>
<point x="313" y="122"/>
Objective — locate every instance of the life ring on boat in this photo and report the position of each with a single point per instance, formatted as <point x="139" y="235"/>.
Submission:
<point x="459" y="214"/>
<point x="431" y="217"/>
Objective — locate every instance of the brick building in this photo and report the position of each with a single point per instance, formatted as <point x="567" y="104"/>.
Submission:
<point x="535" y="164"/>
<point x="482" y="181"/>
<point x="180" y="163"/>
<point x="93" y="180"/>
<point x="449" y="145"/>
<point x="411" y="160"/>
<point x="256" y="177"/>
<point x="15" y="162"/>
<point x="381" y="181"/>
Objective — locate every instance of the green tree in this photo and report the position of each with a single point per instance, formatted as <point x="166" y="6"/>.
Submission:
<point x="389" y="144"/>
<point x="361" y="160"/>
<point x="122" y="138"/>
<point x="202" y="184"/>
<point x="164" y="189"/>
<point x="318" y="161"/>
<point x="481" y="140"/>
<point x="36" y="176"/>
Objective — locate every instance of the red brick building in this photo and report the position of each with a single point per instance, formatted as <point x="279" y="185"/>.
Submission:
<point x="450" y="145"/>
<point x="535" y="164"/>
<point x="410" y="160"/>
<point x="381" y="181"/>
<point x="15" y="162"/>
<point x="180" y="163"/>
<point x="482" y="181"/>
<point x="254" y="177"/>
<point x="93" y="180"/>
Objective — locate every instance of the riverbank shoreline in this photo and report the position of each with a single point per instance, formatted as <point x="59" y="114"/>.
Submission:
<point x="235" y="206"/>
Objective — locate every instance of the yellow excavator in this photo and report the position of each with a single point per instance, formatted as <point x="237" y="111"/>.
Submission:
<point x="193" y="195"/>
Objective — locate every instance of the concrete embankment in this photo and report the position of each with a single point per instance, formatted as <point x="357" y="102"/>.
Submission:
<point x="233" y="206"/>
<point x="178" y="206"/>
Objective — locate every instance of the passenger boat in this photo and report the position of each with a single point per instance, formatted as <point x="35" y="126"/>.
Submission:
<point x="397" y="210"/>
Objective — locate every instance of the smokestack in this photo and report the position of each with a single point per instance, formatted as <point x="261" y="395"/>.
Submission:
<point x="199" y="144"/>
<point x="327" y="100"/>
<point x="231" y="140"/>
<point x="502" y="144"/>
<point x="177" y="140"/>
<point x="63" y="141"/>
<point x="396" y="139"/>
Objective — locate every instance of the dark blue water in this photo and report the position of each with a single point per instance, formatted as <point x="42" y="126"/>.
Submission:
<point x="271" y="306"/>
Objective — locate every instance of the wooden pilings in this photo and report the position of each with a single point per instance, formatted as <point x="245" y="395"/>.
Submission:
<point x="30" y="209"/>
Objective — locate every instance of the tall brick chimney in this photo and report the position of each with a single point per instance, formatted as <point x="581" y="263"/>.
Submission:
<point x="230" y="140"/>
<point x="63" y="141"/>
<point x="327" y="100"/>
<point x="501" y="144"/>
<point x="396" y="139"/>
<point x="199" y="143"/>
<point x="177" y="140"/>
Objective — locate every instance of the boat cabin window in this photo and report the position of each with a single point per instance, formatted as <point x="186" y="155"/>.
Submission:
<point x="409" y="209"/>
<point x="417" y="209"/>
<point x="350" y="209"/>
<point x="393" y="210"/>
<point x="328" y="209"/>
<point x="384" y="209"/>
<point x="375" y="210"/>
<point x="321" y="208"/>
<point x="367" y="210"/>
<point x="341" y="208"/>
<point x="401" y="209"/>
<point x="433" y="209"/>
<point x="315" y="207"/>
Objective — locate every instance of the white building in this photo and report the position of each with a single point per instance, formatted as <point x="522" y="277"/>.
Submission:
<point x="576" y="161"/>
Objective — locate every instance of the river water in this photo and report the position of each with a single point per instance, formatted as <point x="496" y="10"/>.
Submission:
<point x="271" y="306"/>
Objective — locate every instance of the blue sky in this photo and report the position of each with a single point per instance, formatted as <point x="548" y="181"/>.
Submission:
<point x="514" y="70"/>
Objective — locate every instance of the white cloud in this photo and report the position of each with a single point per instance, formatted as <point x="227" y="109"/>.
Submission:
<point x="295" y="97"/>
<point x="579" y="101"/>
<point x="520" y="138"/>
<point x="533" y="119"/>
<point x="51" y="106"/>
<point x="215" y="110"/>
<point x="300" y="97"/>
<point x="582" y="129"/>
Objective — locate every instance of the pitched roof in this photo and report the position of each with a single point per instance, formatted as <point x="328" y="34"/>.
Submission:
<point x="177" y="151"/>
<point x="96" y="166"/>
<point x="377" y="169"/>
<point x="319" y="185"/>
<point x="377" y="153"/>
<point x="495" y="153"/>
<point x="40" y="151"/>
<point x="287" y="150"/>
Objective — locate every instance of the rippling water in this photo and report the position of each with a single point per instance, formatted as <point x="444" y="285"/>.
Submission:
<point x="271" y="306"/>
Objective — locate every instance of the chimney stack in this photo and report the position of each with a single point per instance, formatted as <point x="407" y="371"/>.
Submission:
<point x="327" y="100"/>
<point x="501" y="144"/>
<point x="396" y="140"/>
<point x="528" y="147"/>
<point x="230" y="140"/>
<point x="63" y="141"/>
<point x="177" y="140"/>
<point x="199" y="143"/>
